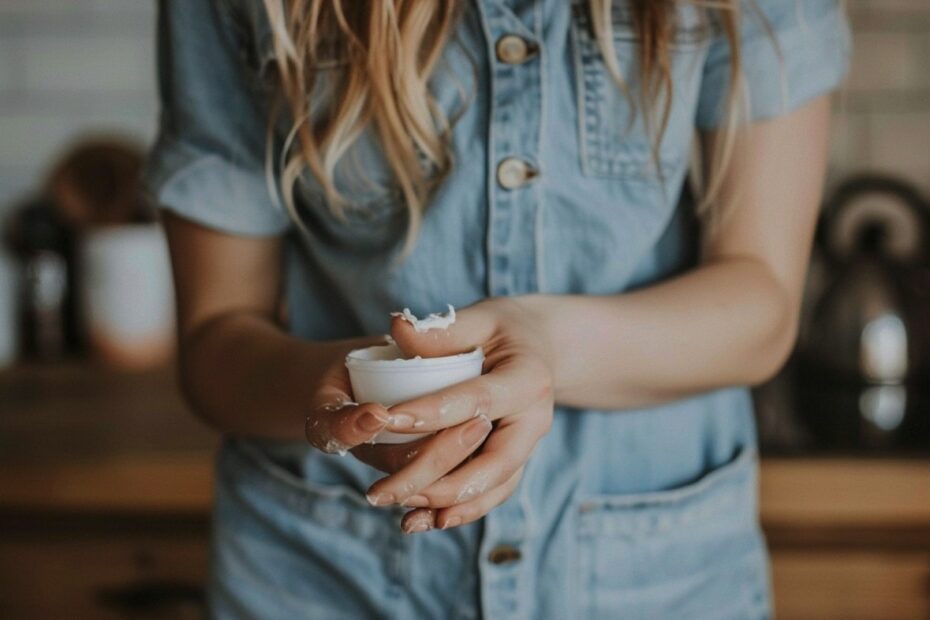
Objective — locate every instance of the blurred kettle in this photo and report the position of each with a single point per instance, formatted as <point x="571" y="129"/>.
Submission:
<point x="863" y="353"/>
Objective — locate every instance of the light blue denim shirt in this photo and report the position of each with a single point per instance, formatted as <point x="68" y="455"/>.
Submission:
<point x="636" y="514"/>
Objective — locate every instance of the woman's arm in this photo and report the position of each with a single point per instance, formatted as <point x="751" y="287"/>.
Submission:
<point x="732" y="320"/>
<point x="239" y="370"/>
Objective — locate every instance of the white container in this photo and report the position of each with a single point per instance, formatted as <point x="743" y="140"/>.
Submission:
<point x="127" y="294"/>
<point x="380" y="374"/>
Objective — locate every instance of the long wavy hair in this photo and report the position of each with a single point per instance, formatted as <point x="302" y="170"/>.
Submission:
<point x="387" y="50"/>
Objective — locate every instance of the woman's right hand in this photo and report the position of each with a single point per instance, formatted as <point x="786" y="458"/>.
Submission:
<point x="335" y="423"/>
<point x="240" y="369"/>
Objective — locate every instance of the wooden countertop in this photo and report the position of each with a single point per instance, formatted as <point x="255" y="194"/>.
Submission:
<point x="79" y="437"/>
<point x="76" y="438"/>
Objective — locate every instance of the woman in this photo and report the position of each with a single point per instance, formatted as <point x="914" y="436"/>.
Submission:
<point x="524" y="161"/>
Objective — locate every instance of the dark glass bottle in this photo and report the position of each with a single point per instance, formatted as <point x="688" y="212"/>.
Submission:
<point x="44" y="246"/>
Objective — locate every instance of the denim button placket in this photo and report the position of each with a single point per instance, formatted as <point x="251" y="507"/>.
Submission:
<point x="513" y="149"/>
<point x="513" y="256"/>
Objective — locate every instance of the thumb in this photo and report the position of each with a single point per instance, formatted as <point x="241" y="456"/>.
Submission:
<point x="434" y="337"/>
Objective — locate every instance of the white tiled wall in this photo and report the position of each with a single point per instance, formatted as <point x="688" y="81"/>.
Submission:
<point x="68" y="67"/>
<point x="883" y="114"/>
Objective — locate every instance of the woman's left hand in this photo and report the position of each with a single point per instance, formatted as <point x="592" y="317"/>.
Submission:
<point x="515" y="393"/>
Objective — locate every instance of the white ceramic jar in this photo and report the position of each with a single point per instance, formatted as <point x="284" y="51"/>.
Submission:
<point x="382" y="375"/>
<point x="127" y="294"/>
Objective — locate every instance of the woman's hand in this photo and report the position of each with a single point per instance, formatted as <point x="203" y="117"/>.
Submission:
<point x="486" y="463"/>
<point x="336" y="424"/>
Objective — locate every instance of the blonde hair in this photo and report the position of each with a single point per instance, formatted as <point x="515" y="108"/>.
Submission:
<point x="386" y="51"/>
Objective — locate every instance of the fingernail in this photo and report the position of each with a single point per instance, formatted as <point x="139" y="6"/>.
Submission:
<point x="452" y="522"/>
<point x="402" y="420"/>
<point x="416" y="501"/>
<point x="475" y="431"/>
<point x="420" y="525"/>
<point x="380" y="499"/>
<point x="370" y="422"/>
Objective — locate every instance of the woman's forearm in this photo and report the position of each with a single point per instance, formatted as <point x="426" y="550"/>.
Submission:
<point x="724" y="323"/>
<point x="242" y="374"/>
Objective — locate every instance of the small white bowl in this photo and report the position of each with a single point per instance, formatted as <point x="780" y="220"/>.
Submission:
<point x="381" y="374"/>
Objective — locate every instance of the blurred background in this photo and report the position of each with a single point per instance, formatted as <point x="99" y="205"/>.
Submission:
<point x="105" y="476"/>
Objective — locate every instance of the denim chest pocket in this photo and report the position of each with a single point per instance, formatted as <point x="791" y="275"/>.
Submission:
<point x="613" y="138"/>
<point x="251" y="36"/>
<point x="252" y="32"/>
<point x="371" y="213"/>
<point x="372" y="210"/>
<point x="690" y="552"/>
<point x="368" y="220"/>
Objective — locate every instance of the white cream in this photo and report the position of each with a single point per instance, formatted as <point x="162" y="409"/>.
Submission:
<point x="477" y="485"/>
<point x="433" y="321"/>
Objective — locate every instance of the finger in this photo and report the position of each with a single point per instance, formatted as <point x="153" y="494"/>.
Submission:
<point x="389" y="457"/>
<point x="505" y="451"/>
<point x="434" y="459"/>
<point x="419" y="520"/>
<point x="336" y="424"/>
<point x="511" y="387"/>
<point x="473" y="510"/>
<point x="473" y="327"/>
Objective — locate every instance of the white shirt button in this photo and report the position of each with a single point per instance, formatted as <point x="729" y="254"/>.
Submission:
<point x="513" y="173"/>
<point x="512" y="49"/>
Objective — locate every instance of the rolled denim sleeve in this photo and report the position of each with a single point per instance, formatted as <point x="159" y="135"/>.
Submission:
<point x="792" y="51"/>
<point x="207" y="163"/>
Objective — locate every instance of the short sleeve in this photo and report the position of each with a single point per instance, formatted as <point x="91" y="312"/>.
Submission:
<point x="207" y="163"/>
<point x="792" y="51"/>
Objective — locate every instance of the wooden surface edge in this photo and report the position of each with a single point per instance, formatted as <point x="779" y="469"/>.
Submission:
<point x="143" y="483"/>
<point x="845" y="492"/>
<point x="810" y="492"/>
